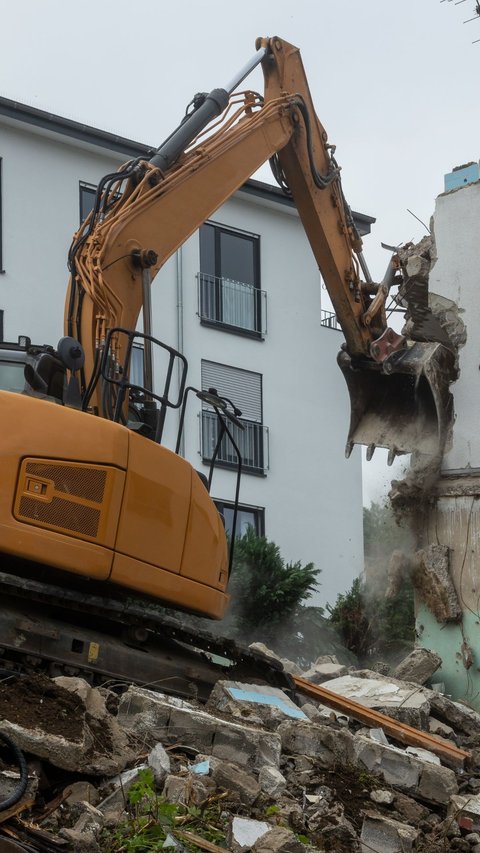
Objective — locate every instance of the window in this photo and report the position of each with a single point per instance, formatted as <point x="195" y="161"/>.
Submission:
<point x="1" y="232"/>
<point x="136" y="365"/>
<point x="87" y="199"/>
<point x="244" y="389"/>
<point x="247" y="516"/>
<point x="229" y="292"/>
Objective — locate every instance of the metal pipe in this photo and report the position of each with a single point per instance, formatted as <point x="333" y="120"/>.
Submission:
<point x="213" y="105"/>
<point x="365" y="270"/>
<point x="179" y="276"/>
<point x="147" y="329"/>
<point x="246" y="70"/>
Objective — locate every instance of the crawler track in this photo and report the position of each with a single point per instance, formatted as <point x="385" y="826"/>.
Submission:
<point x="71" y="631"/>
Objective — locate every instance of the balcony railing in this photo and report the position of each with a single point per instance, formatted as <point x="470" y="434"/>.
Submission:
<point x="329" y="319"/>
<point x="232" y="304"/>
<point x="252" y="443"/>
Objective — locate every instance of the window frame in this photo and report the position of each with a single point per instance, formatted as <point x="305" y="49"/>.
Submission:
<point x="219" y="228"/>
<point x="257" y="511"/>
<point x="1" y="218"/>
<point x="84" y="188"/>
<point x="252" y="424"/>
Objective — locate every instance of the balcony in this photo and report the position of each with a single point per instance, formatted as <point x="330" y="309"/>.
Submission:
<point x="232" y="305"/>
<point x="252" y="443"/>
<point x="329" y="320"/>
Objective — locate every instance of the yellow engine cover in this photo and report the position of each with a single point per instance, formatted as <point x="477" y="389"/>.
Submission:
<point x="89" y="496"/>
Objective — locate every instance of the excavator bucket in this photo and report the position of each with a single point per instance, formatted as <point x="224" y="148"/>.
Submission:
<point x="404" y="403"/>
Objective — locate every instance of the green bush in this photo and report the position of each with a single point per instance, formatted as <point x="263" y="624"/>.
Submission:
<point x="266" y="590"/>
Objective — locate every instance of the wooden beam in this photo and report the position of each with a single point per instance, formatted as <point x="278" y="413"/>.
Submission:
<point x="397" y="731"/>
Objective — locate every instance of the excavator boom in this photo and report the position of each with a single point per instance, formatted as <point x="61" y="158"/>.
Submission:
<point x="148" y="209"/>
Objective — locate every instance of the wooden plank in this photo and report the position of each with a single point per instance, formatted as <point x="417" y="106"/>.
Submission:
<point x="397" y="731"/>
<point x="200" y="842"/>
<point x="22" y="806"/>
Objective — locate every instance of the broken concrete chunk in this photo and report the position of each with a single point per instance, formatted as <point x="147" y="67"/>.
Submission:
<point x="436" y="727"/>
<point x="460" y="716"/>
<point x="378" y="735"/>
<point x="121" y="786"/>
<point x="187" y="790"/>
<point x="82" y="792"/>
<point x="423" y="754"/>
<point x="385" y="798"/>
<point x="172" y="720"/>
<point x="399" y="768"/>
<point x="340" y="835"/>
<point x="232" y="778"/>
<point x="319" y="713"/>
<point x="279" y="840"/>
<point x="432" y="580"/>
<point x="393" y="765"/>
<point x="320" y="672"/>
<point x="272" y="782"/>
<point x="384" y="835"/>
<point x="146" y="713"/>
<point x="408" y="809"/>
<point x="159" y="761"/>
<point x="437" y="784"/>
<point x="465" y="810"/>
<point x="250" y="747"/>
<point x="91" y="821"/>
<point x="244" y="832"/>
<point x="327" y="746"/>
<point x="288" y="665"/>
<point x="268" y="704"/>
<point x="80" y="841"/>
<point x="418" y="666"/>
<point x="401" y="701"/>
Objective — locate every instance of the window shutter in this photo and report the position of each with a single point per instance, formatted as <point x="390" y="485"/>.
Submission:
<point x="243" y="387"/>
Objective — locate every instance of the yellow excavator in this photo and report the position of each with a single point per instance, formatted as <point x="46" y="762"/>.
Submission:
<point x="91" y="502"/>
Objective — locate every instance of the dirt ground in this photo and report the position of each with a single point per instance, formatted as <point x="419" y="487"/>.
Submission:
<point x="37" y="702"/>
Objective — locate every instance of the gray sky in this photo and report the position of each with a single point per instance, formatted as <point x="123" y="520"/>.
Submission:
<point x="394" y="83"/>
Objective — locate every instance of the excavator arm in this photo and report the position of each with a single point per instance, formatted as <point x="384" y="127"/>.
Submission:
<point x="148" y="209"/>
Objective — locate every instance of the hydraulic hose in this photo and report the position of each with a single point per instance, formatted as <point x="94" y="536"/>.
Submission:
<point x="22" y="765"/>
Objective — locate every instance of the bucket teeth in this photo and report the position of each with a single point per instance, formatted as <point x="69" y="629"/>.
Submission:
<point x="403" y="403"/>
<point x="391" y="456"/>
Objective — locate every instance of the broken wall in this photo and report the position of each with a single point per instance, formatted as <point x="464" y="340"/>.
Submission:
<point x="453" y="518"/>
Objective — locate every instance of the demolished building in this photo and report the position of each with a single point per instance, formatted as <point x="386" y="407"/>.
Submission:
<point x="446" y="513"/>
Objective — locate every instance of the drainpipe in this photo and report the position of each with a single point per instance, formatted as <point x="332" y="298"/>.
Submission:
<point x="179" y="278"/>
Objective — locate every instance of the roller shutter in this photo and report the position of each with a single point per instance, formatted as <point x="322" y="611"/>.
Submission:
<point x="243" y="387"/>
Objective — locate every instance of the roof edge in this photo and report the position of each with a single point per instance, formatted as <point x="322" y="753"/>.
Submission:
<point x="130" y="148"/>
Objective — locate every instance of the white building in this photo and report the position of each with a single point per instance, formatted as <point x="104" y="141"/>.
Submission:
<point x="242" y="301"/>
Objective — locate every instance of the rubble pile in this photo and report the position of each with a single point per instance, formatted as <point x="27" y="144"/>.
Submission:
<point x="249" y="771"/>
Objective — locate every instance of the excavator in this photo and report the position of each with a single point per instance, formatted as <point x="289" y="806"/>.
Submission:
<point x="98" y="519"/>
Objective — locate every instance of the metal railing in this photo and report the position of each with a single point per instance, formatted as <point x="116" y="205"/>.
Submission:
<point x="226" y="302"/>
<point x="329" y="320"/>
<point x="252" y="443"/>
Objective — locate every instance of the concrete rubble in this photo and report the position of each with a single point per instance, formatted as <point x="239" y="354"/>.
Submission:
<point x="282" y="778"/>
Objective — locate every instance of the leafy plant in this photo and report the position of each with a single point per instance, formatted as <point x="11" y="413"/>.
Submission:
<point x="368" y="622"/>
<point x="266" y="589"/>
<point x="152" y="819"/>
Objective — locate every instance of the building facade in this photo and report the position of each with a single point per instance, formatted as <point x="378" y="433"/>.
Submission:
<point x="241" y="300"/>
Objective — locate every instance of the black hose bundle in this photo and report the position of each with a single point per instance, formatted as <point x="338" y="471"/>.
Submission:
<point x="23" y="782"/>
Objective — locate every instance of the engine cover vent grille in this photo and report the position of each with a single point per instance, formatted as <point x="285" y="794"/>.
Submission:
<point x="62" y="514"/>
<point x="80" y="481"/>
<point x="68" y="497"/>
